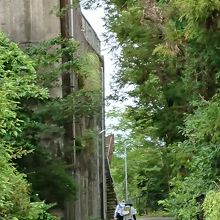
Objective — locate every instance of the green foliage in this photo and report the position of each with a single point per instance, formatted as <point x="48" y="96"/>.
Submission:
<point x="78" y="103"/>
<point x="17" y="82"/>
<point x="197" y="161"/>
<point x="147" y="174"/>
<point x="14" y="194"/>
<point x="38" y="210"/>
<point x="27" y="114"/>
<point x="86" y="139"/>
<point x="18" y="77"/>
<point x="17" y="72"/>
<point x="14" y="200"/>
<point x="90" y="66"/>
<point x="170" y="60"/>
<point x="50" y="54"/>
<point x="194" y="179"/>
<point x="59" y="185"/>
<point x="200" y="16"/>
<point x="47" y="119"/>
<point x="61" y="10"/>
<point x="83" y="101"/>
<point x="211" y="205"/>
<point x="148" y="168"/>
<point x="91" y="4"/>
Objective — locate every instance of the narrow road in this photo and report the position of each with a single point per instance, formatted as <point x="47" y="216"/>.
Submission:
<point x="155" y="218"/>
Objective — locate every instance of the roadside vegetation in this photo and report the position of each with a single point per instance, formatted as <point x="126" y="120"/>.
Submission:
<point x="34" y="175"/>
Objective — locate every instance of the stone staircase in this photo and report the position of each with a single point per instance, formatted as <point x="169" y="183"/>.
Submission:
<point x="111" y="196"/>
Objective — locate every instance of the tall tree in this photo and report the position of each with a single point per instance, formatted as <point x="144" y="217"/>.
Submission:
<point x="170" y="58"/>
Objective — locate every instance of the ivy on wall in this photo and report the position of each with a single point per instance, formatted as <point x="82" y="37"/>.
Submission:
<point x="28" y="114"/>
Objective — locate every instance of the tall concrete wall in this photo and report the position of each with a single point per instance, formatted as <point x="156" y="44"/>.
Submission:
<point x="31" y="21"/>
<point x="89" y="163"/>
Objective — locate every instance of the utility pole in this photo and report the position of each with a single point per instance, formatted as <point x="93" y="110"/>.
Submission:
<point x="104" y="195"/>
<point x="126" y="173"/>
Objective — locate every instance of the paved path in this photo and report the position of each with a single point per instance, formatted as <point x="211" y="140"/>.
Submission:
<point x="155" y="218"/>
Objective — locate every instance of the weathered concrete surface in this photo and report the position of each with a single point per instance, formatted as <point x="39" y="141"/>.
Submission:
<point x="88" y="165"/>
<point x="90" y="35"/>
<point x="28" y="21"/>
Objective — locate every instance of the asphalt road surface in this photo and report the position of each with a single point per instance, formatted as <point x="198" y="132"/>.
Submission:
<point x="155" y="218"/>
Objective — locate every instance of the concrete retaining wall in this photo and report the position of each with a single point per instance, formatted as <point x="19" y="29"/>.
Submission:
<point x="31" y="21"/>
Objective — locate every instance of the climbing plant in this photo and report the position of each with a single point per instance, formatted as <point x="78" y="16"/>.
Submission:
<point x="45" y="120"/>
<point x="18" y="81"/>
<point x="28" y="114"/>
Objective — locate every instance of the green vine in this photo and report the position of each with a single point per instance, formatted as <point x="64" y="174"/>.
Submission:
<point x="48" y="118"/>
<point x="18" y="82"/>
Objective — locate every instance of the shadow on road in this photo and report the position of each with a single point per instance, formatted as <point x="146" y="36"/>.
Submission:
<point x="155" y="218"/>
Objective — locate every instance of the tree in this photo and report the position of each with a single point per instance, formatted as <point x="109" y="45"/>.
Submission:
<point x="170" y="58"/>
<point x="18" y="77"/>
<point x="45" y="120"/>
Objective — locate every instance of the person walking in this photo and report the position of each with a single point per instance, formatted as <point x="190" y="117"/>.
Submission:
<point x="132" y="211"/>
<point x="118" y="211"/>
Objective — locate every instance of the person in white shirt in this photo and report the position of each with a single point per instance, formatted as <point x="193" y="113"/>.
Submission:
<point x="118" y="211"/>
